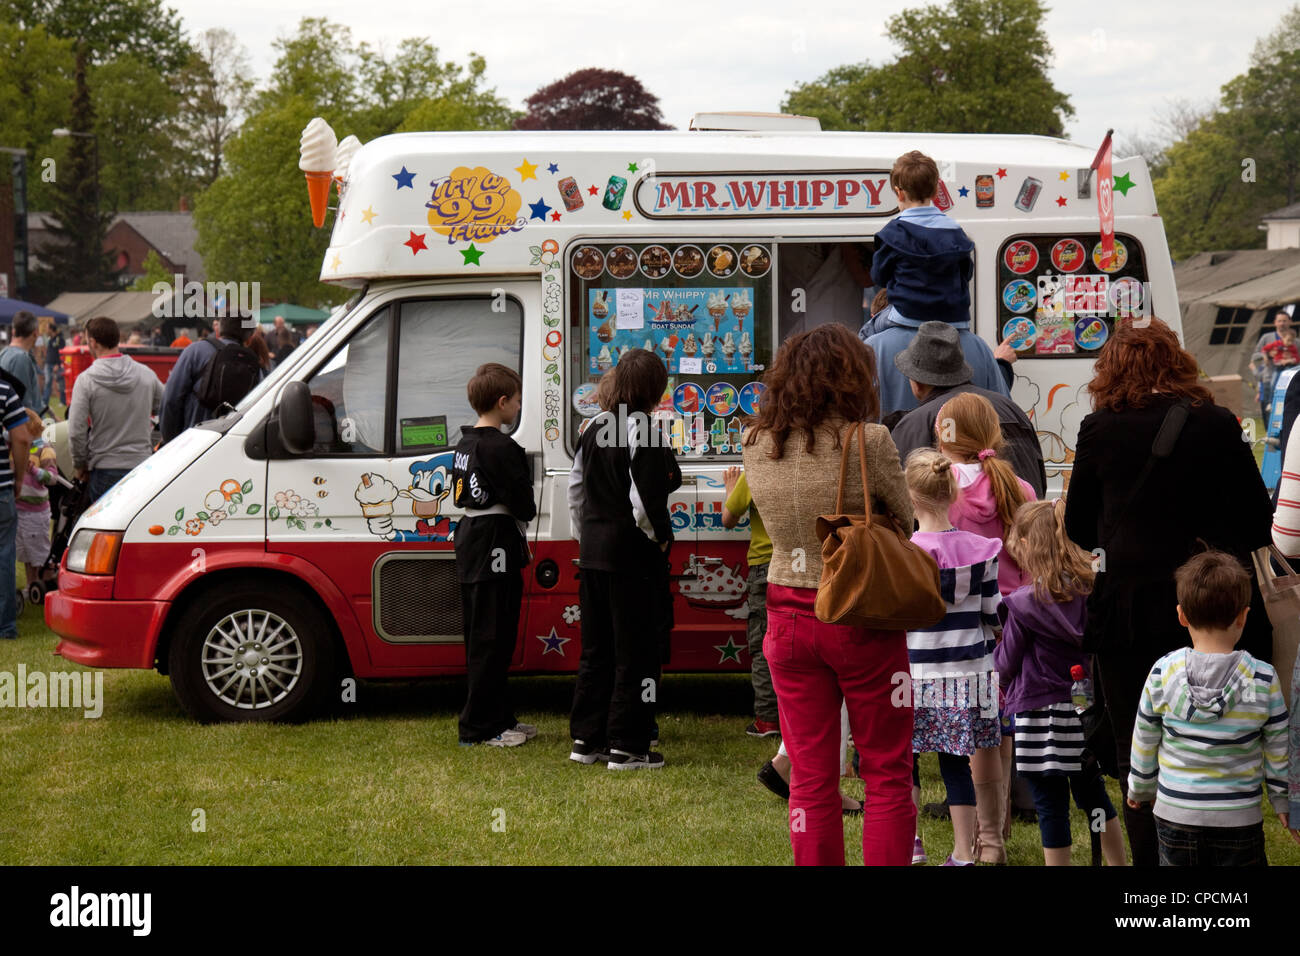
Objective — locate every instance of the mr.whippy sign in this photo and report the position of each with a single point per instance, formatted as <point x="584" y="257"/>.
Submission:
<point x="861" y="192"/>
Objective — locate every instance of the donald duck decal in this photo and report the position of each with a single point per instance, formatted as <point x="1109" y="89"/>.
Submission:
<point x="413" y="513"/>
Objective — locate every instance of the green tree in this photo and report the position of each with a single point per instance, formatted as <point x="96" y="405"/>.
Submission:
<point x="75" y="260"/>
<point x="110" y="28"/>
<point x="35" y="92"/>
<point x="954" y="74"/>
<point x="154" y="271"/>
<point x="317" y="64"/>
<point x="215" y="92"/>
<point x="139" y="142"/>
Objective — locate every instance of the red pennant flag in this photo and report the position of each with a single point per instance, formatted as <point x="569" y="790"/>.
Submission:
<point x="1105" y="200"/>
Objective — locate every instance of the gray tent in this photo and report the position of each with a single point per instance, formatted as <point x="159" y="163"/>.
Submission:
<point x="1227" y="301"/>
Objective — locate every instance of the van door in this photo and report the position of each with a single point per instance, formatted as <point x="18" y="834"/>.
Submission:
<point x="372" y="504"/>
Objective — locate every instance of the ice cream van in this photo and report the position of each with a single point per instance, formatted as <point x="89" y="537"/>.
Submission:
<point x="261" y="558"/>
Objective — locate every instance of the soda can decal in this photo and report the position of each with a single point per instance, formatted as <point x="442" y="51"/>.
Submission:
<point x="984" y="191"/>
<point x="570" y="193"/>
<point x="942" y="201"/>
<point x="614" y="193"/>
<point x="1019" y="296"/>
<point x="1068" y="255"/>
<point x="1030" y="190"/>
<point x="1021" y="257"/>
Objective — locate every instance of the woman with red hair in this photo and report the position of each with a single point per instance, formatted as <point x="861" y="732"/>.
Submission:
<point x="820" y="387"/>
<point x="1143" y="515"/>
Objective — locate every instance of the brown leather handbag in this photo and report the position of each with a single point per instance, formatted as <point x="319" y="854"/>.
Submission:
<point x="872" y="575"/>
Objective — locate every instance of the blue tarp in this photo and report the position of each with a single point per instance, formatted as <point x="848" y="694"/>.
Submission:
<point x="9" y="306"/>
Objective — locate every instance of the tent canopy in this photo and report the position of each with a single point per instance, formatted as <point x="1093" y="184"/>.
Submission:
<point x="128" y="309"/>
<point x="1264" y="292"/>
<point x="293" y="314"/>
<point x="8" y="307"/>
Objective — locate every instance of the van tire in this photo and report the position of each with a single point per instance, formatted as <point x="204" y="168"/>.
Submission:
<point x="226" y="636"/>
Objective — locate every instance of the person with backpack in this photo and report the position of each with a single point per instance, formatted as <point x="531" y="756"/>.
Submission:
<point x="108" y="422"/>
<point x="209" y="375"/>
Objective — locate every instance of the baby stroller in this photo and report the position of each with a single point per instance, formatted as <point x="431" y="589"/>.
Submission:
<point x="68" y="500"/>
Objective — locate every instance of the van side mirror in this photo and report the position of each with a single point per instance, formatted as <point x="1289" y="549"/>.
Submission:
<point x="297" y="427"/>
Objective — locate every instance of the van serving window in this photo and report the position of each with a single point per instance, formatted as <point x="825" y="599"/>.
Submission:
<point x="1055" y="298"/>
<point x="704" y="307"/>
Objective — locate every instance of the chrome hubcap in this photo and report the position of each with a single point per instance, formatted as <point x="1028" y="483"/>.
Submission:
<point x="252" y="659"/>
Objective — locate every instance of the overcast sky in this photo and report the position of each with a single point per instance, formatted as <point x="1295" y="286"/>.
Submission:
<point x="1119" y="63"/>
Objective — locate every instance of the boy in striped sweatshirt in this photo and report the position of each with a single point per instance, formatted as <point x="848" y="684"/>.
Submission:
<point x="1211" y="729"/>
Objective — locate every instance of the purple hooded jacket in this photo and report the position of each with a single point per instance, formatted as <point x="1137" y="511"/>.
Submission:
<point x="1040" y="643"/>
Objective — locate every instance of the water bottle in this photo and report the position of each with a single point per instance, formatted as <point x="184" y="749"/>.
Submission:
<point x="1081" y="689"/>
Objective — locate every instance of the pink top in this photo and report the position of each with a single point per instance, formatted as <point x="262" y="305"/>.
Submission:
<point x="975" y="510"/>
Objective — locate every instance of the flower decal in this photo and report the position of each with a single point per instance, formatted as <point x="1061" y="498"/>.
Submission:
<point x="572" y="614"/>
<point x="193" y="526"/>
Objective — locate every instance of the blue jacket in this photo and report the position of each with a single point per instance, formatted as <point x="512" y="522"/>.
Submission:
<point x="923" y="259"/>
<point x="181" y="408"/>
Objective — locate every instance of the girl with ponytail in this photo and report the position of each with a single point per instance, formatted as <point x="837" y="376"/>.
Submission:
<point x="968" y="434"/>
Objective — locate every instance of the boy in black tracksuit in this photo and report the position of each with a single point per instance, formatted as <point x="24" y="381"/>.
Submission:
<point x="618" y="502"/>
<point x="491" y="482"/>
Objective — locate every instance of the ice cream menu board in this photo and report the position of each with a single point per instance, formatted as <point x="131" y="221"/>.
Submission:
<point x="1059" y="297"/>
<point x="704" y="308"/>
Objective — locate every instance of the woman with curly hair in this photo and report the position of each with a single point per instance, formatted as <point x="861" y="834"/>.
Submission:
<point x="820" y="387"/>
<point x="1144" y="515"/>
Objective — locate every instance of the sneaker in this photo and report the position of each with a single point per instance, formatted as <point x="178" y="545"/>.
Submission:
<point x="507" y="738"/>
<point x="918" y="852"/>
<point x="584" y="752"/>
<point x="528" y="730"/>
<point x="769" y="778"/>
<point x="622" y="760"/>
<point x="763" y="728"/>
<point x="951" y="862"/>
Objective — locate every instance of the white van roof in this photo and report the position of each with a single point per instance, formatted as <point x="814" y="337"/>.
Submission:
<point x="469" y="203"/>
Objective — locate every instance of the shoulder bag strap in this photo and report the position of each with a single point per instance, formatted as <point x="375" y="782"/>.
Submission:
<point x="1171" y="426"/>
<point x="862" y="462"/>
<point x="844" y="470"/>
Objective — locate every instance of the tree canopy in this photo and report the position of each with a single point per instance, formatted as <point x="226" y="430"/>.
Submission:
<point x="593" y="99"/>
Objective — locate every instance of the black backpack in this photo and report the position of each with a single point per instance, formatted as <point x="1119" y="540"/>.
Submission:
<point x="229" y="375"/>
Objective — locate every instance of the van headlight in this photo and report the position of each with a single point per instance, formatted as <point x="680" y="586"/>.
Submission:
<point x="94" y="552"/>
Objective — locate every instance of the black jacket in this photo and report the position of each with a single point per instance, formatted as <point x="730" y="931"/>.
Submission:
<point x="489" y="469"/>
<point x="1023" y="452"/>
<point x="1208" y="490"/>
<point x="618" y="494"/>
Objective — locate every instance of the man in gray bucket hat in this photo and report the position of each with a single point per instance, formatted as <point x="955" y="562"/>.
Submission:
<point x="937" y="370"/>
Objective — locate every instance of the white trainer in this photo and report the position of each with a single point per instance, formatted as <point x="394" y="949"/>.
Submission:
<point x="507" y="738"/>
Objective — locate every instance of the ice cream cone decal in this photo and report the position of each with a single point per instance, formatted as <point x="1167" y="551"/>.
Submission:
<point x="316" y="152"/>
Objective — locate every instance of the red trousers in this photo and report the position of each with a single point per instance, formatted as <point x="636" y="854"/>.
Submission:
<point x="814" y="666"/>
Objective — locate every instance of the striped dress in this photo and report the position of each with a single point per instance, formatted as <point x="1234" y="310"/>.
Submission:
<point x="1049" y="741"/>
<point x="954" y="682"/>
<point x="1207" y="754"/>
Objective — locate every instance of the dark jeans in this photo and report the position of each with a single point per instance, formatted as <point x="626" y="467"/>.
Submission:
<point x="1052" y="801"/>
<point x="621" y="646"/>
<point x="103" y="479"/>
<point x="491" y="613"/>
<point x="756" y="630"/>
<point x="1123" y="675"/>
<point x="1182" y="845"/>
<point x="8" y="564"/>
<point x="957" y="781"/>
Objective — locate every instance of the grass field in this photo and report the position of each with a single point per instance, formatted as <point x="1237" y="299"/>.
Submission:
<point x="388" y="784"/>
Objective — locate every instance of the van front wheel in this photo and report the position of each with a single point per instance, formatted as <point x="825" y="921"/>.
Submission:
<point x="246" y="655"/>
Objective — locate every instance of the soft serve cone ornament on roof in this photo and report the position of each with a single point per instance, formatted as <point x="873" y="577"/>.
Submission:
<point x="347" y="148"/>
<point x="316" y="159"/>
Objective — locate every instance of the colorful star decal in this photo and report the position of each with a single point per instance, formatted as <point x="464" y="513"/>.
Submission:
<point x="593" y="190"/>
<point x="334" y="265"/>
<point x="1002" y="173"/>
<point x="555" y="217"/>
<point x="540" y="210"/>
<point x="552" y="169"/>
<point x="963" y="192"/>
<point x="631" y="167"/>
<point x="472" y="255"/>
<point x="526" y="171"/>
<point x="1060" y="200"/>
<point x="553" y="642"/>
<point x="368" y="214"/>
<point x="627" y="215"/>
<point x="416" y="242"/>
<point x="404" y="179"/>
<point x="1124" y="183"/>
<point x="1064" y="175"/>
<point x="730" y="651"/>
